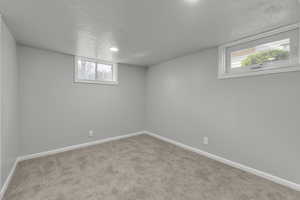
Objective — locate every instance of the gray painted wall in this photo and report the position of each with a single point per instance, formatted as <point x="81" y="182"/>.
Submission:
<point x="9" y="103"/>
<point x="56" y="113"/>
<point x="252" y="120"/>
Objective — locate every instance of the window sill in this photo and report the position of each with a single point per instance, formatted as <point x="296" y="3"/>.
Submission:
<point x="96" y="82"/>
<point x="259" y="72"/>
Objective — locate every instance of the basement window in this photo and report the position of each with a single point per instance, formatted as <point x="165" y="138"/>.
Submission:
<point x="95" y="71"/>
<point x="270" y="52"/>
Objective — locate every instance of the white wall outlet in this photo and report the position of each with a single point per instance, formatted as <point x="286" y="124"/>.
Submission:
<point x="91" y="133"/>
<point x="205" y="140"/>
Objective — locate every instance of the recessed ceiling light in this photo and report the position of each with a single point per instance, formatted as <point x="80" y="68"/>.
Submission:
<point x="191" y="1"/>
<point x="114" y="49"/>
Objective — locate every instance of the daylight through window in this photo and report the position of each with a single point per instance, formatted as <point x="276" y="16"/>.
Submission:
<point x="95" y="71"/>
<point x="271" y="52"/>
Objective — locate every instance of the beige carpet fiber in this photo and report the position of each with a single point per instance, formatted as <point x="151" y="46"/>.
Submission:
<point x="137" y="168"/>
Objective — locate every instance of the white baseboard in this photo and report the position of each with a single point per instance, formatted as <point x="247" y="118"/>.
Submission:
<point x="78" y="146"/>
<point x="8" y="179"/>
<point x="251" y="170"/>
<point x="204" y="153"/>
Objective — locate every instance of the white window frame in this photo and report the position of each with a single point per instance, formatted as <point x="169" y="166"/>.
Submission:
<point x="222" y="68"/>
<point x="114" y="68"/>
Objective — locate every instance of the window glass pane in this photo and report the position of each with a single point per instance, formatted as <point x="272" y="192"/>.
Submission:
<point x="274" y="51"/>
<point x="264" y="53"/>
<point x="104" y="72"/>
<point x="269" y="52"/>
<point x="86" y="70"/>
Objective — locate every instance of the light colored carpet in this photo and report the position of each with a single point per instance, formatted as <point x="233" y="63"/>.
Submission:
<point x="137" y="168"/>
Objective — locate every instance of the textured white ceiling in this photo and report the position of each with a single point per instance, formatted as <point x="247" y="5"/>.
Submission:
<point x="146" y="31"/>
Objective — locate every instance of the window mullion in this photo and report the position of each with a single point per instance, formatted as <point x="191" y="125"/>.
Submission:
<point x="96" y="71"/>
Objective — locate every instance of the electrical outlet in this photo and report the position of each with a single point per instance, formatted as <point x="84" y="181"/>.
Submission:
<point x="205" y="140"/>
<point x="91" y="133"/>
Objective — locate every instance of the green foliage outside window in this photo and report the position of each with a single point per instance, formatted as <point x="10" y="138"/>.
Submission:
<point x="265" y="56"/>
